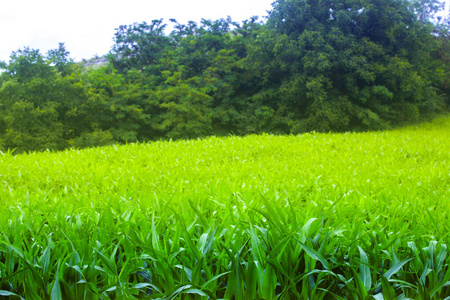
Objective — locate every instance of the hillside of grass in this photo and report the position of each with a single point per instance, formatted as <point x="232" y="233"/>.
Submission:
<point x="311" y="216"/>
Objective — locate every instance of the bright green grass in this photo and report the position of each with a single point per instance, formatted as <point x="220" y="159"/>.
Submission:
<point x="314" y="216"/>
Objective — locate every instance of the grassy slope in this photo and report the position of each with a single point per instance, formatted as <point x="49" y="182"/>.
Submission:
<point x="186" y="204"/>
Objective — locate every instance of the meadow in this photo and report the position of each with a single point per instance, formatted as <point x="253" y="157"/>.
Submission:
<point x="311" y="216"/>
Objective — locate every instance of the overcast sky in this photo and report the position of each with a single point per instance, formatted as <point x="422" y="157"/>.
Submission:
<point x="87" y="27"/>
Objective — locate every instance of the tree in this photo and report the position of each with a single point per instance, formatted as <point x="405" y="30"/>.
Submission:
<point x="121" y="104"/>
<point x="345" y="64"/>
<point x="61" y="59"/>
<point x="187" y="111"/>
<point x="442" y="54"/>
<point x="29" y="121"/>
<point x="139" y="45"/>
<point x="26" y="63"/>
<point x="198" y="46"/>
<point x="40" y="108"/>
<point x="426" y="10"/>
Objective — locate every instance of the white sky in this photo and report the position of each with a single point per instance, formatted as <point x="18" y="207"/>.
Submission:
<point x="87" y="27"/>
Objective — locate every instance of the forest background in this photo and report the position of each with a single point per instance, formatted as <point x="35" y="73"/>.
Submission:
<point x="310" y="65"/>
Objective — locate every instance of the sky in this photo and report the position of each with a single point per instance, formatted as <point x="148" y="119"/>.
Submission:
<point x="87" y="27"/>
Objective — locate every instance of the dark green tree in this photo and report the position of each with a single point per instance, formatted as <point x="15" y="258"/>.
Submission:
<point x="345" y="64"/>
<point x="61" y="59"/>
<point x="121" y="104"/>
<point x="25" y="64"/>
<point x="40" y="108"/>
<point x="139" y="45"/>
<point x="442" y="54"/>
<point x="186" y="106"/>
<point x="314" y="65"/>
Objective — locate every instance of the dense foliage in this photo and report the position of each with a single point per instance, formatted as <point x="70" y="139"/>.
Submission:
<point x="313" y="216"/>
<point x="313" y="65"/>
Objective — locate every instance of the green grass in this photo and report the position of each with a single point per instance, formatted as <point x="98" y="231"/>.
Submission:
<point x="314" y="216"/>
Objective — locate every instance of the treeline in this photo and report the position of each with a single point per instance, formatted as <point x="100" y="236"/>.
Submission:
<point x="331" y="65"/>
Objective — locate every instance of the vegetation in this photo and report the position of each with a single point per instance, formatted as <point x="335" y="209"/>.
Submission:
<point x="345" y="65"/>
<point x="312" y="216"/>
<point x="357" y="215"/>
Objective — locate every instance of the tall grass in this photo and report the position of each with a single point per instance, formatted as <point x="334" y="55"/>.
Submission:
<point x="313" y="216"/>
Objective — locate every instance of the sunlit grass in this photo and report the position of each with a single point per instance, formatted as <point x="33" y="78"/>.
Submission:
<point x="313" y="216"/>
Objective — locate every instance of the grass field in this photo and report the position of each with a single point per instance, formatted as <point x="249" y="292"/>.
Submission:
<point x="313" y="216"/>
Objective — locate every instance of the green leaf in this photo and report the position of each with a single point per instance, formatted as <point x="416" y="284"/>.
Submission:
<point x="109" y="265"/>
<point x="6" y="293"/>
<point x="364" y="270"/>
<point x="388" y="290"/>
<point x="315" y="255"/>
<point x="441" y="257"/>
<point x="146" y="285"/>
<point x="56" y="290"/>
<point x="396" y="268"/>
<point x="444" y="282"/>
<point x="360" y="288"/>
<point x="195" y="291"/>
<point x="214" y="279"/>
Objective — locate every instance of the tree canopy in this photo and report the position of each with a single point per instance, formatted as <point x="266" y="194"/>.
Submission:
<point x="333" y="65"/>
